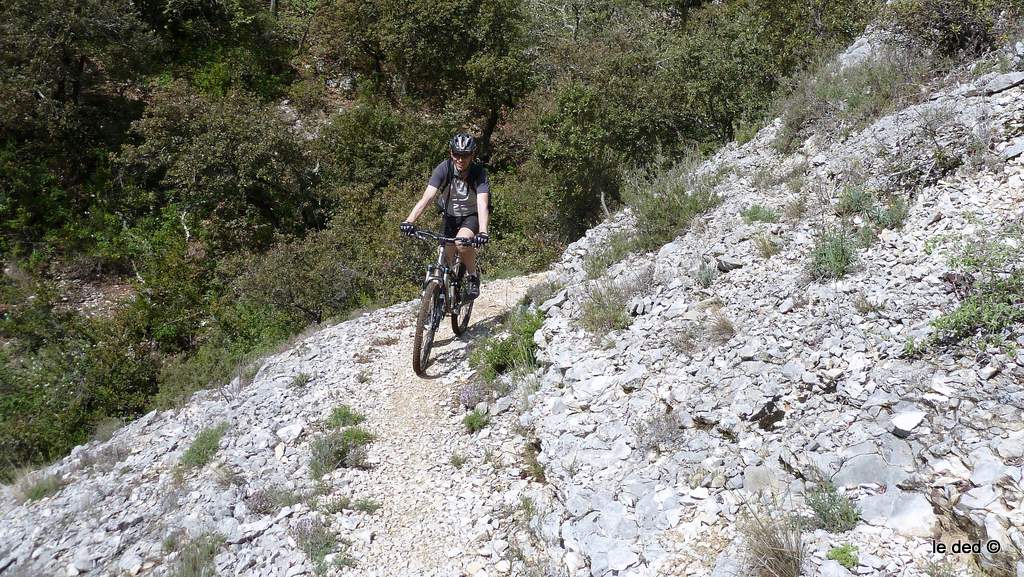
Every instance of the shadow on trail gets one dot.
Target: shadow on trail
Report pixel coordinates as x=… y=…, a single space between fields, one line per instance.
x=451 y=359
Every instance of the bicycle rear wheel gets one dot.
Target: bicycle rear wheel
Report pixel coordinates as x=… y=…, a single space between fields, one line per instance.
x=462 y=308
x=427 y=321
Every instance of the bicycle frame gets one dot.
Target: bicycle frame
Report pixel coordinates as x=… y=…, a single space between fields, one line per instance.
x=441 y=271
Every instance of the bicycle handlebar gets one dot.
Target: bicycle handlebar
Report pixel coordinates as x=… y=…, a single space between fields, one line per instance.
x=427 y=235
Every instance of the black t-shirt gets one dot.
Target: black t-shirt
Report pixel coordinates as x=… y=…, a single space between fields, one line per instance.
x=463 y=202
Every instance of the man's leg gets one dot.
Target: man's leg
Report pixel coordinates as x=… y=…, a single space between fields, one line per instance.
x=468 y=256
x=467 y=253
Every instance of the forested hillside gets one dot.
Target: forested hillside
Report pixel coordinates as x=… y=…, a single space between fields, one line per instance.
x=185 y=184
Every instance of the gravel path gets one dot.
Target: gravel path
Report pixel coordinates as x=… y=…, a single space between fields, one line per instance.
x=436 y=518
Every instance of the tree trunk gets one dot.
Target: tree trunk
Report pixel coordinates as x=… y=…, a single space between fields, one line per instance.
x=273 y=7
x=492 y=123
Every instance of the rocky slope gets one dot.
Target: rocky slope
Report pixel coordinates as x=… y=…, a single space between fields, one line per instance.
x=657 y=436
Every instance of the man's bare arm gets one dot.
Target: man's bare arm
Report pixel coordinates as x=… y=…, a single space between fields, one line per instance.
x=483 y=210
x=424 y=202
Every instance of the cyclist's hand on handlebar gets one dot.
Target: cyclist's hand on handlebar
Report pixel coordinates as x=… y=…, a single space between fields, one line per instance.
x=407 y=228
x=481 y=239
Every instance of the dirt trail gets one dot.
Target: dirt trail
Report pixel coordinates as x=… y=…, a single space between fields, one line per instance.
x=432 y=510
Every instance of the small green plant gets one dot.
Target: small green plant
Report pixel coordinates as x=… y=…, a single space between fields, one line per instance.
x=845 y=555
x=336 y=505
x=941 y=569
x=34 y=487
x=527 y=508
x=765 y=245
x=458 y=460
x=759 y=213
x=316 y=540
x=172 y=541
x=834 y=510
x=195 y=558
x=368 y=506
x=992 y=303
x=339 y=449
x=866 y=236
x=706 y=274
x=855 y=199
x=533 y=467
x=512 y=350
x=204 y=447
x=344 y=416
x=475 y=421
x=833 y=255
x=912 y=348
x=986 y=316
x=891 y=216
x=300 y=381
x=605 y=308
x=271 y=500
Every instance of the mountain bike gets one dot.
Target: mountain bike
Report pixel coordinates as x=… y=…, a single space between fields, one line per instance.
x=443 y=295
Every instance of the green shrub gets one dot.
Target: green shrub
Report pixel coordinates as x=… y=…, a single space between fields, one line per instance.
x=344 y=416
x=300 y=381
x=855 y=199
x=204 y=447
x=476 y=421
x=953 y=27
x=195 y=558
x=339 y=449
x=834 y=510
x=706 y=274
x=458 y=460
x=833 y=255
x=516 y=350
x=539 y=293
x=846 y=555
x=665 y=203
x=986 y=316
x=316 y=539
x=604 y=309
x=829 y=101
x=759 y=213
x=271 y=500
x=366 y=505
x=891 y=216
x=993 y=306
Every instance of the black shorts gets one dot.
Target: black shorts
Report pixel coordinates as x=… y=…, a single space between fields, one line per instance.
x=452 y=224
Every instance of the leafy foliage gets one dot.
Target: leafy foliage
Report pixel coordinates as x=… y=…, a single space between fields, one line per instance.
x=514 y=351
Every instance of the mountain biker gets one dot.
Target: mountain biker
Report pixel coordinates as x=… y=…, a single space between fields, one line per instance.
x=465 y=195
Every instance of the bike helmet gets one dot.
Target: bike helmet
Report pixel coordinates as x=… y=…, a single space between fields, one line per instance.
x=463 y=143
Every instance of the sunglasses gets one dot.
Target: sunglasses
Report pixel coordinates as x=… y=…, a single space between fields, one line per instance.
x=462 y=156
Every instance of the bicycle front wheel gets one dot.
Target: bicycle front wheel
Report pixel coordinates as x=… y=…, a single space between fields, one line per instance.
x=431 y=310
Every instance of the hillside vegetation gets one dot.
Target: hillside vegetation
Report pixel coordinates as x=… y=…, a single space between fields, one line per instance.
x=236 y=168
